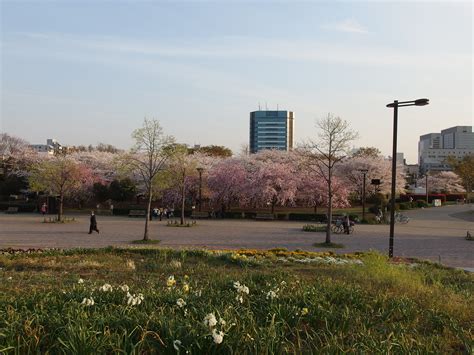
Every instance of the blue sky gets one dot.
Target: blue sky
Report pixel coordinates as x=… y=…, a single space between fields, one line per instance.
x=85 y=72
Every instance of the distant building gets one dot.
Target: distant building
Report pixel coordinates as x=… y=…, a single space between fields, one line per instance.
x=271 y=130
x=52 y=146
x=434 y=148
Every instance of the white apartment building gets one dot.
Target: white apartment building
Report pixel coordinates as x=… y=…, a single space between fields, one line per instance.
x=434 y=148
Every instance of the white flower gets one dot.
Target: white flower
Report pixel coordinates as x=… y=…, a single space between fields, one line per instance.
x=210 y=320
x=124 y=288
x=222 y=322
x=10 y=278
x=106 y=288
x=271 y=295
x=80 y=281
x=133 y=300
x=239 y=298
x=88 y=302
x=217 y=336
x=241 y=288
x=180 y=302
x=176 y=344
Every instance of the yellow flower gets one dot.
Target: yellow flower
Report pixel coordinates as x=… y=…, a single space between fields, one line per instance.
x=185 y=288
x=304 y=311
x=171 y=281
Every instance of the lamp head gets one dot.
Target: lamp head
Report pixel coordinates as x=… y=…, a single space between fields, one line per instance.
x=421 y=102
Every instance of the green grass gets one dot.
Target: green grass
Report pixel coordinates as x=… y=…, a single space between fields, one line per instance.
x=298 y=302
x=146 y=242
x=328 y=245
x=314 y=228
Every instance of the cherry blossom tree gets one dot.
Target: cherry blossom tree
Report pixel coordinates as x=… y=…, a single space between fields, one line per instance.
x=271 y=179
x=15 y=155
x=377 y=167
x=442 y=182
x=226 y=181
x=60 y=176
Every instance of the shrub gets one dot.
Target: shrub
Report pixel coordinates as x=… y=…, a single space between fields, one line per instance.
x=421 y=203
x=314 y=228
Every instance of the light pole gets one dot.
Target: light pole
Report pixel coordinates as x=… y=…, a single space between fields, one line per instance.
x=395 y=105
x=426 y=188
x=200 y=186
x=364 y=172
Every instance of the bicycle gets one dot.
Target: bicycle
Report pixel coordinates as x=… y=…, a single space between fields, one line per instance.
x=400 y=218
x=337 y=227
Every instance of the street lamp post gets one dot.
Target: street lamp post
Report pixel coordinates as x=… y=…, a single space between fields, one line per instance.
x=364 y=172
x=395 y=105
x=200 y=186
x=426 y=188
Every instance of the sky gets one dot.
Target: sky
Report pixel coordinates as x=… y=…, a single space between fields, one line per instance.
x=86 y=72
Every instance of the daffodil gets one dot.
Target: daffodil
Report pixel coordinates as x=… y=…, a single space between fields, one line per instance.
x=106 y=288
x=210 y=320
x=185 y=288
x=88 y=302
x=180 y=302
x=171 y=281
x=218 y=337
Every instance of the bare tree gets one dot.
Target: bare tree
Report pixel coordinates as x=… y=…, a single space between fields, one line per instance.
x=148 y=157
x=323 y=154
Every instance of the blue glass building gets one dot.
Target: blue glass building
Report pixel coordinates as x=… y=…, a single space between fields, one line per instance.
x=271 y=130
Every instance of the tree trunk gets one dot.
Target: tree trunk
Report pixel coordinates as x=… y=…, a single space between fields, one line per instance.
x=182 y=205
x=315 y=210
x=328 y=227
x=60 y=210
x=183 y=189
x=148 y=210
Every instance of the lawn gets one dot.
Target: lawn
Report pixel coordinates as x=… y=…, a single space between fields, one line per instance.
x=148 y=300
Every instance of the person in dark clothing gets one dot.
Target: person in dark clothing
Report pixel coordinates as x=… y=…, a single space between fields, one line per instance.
x=93 y=225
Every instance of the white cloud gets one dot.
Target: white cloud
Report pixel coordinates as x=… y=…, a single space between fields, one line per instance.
x=348 y=26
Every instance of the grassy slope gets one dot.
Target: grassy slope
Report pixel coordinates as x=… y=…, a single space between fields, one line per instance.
x=374 y=307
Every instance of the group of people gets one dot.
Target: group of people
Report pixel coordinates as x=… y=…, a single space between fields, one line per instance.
x=162 y=213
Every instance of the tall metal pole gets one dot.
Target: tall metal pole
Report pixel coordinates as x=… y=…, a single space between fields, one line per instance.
x=394 y=177
x=426 y=188
x=363 y=197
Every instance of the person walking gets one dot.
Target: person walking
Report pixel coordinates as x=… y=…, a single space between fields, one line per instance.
x=93 y=225
x=347 y=224
x=44 y=209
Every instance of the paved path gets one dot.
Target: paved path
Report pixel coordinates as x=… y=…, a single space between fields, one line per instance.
x=433 y=233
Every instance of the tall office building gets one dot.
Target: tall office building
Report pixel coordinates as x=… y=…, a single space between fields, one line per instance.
x=271 y=130
x=434 y=148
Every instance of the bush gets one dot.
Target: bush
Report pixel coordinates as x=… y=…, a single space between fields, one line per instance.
x=405 y=205
x=354 y=217
x=320 y=217
x=314 y=228
x=421 y=203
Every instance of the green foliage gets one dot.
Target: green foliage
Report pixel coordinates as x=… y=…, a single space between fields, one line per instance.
x=421 y=203
x=314 y=228
x=212 y=150
x=122 y=190
x=100 y=191
x=328 y=245
x=12 y=184
x=374 y=307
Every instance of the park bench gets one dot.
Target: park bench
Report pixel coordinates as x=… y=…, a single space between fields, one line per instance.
x=12 y=210
x=137 y=213
x=197 y=214
x=265 y=216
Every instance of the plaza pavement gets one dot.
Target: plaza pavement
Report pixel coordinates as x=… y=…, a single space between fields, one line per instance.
x=436 y=234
